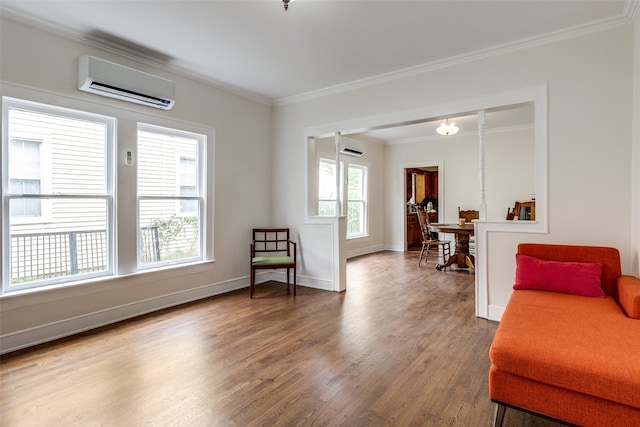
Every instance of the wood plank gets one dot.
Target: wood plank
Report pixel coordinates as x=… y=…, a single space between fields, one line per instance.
x=400 y=347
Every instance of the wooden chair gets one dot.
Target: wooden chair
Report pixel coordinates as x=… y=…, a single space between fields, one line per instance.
x=428 y=240
x=468 y=215
x=272 y=249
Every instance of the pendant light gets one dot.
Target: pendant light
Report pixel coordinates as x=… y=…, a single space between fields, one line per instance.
x=447 y=128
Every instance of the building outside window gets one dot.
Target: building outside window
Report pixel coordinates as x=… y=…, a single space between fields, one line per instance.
x=24 y=164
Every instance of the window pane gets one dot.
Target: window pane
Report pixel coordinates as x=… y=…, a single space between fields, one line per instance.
x=355 y=218
x=166 y=236
x=355 y=189
x=159 y=166
x=169 y=168
x=327 y=180
x=326 y=208
x=77 y=159
x=47 y=252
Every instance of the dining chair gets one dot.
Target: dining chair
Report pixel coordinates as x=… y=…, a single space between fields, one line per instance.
x=428 y=240
x=469 y=215
x=271 y=248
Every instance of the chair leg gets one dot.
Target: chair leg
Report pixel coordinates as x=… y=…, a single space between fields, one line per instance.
x=288 y=280
x=421 y=254
x=252 y=281
x=295 y=281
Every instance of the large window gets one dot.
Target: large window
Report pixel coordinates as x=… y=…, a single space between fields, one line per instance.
x=57 y=208
x=170 y=195
x=355 y=187
x=59 y=212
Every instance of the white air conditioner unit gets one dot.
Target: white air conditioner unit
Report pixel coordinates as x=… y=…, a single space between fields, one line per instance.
x=106 y=78
x=351 y=147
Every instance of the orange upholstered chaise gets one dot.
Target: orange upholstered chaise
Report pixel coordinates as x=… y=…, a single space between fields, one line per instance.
x=570 y=357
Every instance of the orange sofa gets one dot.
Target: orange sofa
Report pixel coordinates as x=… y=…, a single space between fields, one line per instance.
x=571 y=358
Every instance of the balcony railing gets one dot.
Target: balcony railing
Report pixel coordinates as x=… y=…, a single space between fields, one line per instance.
x=40 y=256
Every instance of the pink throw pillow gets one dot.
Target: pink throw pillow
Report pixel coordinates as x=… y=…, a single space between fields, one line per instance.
x=577 y=278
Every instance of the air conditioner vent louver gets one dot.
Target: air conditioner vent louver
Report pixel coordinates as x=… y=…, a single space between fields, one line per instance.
x=351 y=152
x=106 y=78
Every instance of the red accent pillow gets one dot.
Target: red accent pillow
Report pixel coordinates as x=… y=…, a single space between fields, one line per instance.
x=577 y=278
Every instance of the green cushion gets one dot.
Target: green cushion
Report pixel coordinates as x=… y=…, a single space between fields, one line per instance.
x=272 y=260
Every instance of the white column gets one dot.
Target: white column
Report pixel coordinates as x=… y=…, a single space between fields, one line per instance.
x=338 y=142
x=483 y=196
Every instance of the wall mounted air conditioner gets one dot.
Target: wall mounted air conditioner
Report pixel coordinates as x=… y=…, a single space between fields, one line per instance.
x=106 y=78
x=351 y=147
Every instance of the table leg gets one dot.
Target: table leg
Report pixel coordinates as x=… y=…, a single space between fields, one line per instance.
x=461 y=257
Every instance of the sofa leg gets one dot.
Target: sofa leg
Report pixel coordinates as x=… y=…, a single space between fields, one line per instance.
x=498 y=415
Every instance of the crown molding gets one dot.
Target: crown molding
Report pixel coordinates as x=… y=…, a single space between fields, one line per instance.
x=632 y=10
x=510 y=47
x=132 y=54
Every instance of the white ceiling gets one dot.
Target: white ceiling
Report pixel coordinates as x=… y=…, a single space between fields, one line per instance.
x=255 y=47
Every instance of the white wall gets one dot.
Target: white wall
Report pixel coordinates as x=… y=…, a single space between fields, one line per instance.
x=41 y=66
x=588 y=80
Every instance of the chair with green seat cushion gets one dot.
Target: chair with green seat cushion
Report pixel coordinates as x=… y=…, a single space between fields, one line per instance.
x=271 y=248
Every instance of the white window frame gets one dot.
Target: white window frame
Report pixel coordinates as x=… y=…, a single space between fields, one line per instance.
x=45 y=190
x=364 y=202
x=199 y=196
x=344 y=171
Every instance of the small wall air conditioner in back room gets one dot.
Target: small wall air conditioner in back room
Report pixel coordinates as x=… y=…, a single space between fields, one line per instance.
x=351 y=147
x=106 y=78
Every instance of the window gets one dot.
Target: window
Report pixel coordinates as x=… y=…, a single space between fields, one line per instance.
x=356 y=190
x=74 y=182
x=24 y=166
x=327 y=195
x=170 y=195
x=356 y=200
x=188 y=174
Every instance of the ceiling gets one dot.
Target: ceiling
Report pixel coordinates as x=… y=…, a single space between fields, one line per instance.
x=257 y=49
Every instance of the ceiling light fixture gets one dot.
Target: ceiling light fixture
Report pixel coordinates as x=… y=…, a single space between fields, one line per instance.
x=447 y=128
x=286 y=4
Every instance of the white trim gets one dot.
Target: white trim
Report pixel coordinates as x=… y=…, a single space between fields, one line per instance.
x=496 y=312
x=537 y=95
x=365 y=251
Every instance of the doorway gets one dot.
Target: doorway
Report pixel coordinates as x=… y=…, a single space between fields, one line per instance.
x=421 y=193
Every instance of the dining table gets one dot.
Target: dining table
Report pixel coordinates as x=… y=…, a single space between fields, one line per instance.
x=461 y=257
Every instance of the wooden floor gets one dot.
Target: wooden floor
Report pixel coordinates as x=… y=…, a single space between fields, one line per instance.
x=400 y=348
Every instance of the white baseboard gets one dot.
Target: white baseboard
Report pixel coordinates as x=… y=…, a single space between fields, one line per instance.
x=73 y=325
x=365 y=251
x=77 y=324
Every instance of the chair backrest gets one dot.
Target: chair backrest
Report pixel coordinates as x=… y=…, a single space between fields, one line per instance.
x=271 y=240
x=423 y=220
x=468 y=215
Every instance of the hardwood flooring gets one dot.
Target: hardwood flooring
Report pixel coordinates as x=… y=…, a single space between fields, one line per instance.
x=400 y=348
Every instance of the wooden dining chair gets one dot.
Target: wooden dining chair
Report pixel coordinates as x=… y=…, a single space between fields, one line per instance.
x=271 y=248
x=469 y=215
x=428 y=240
